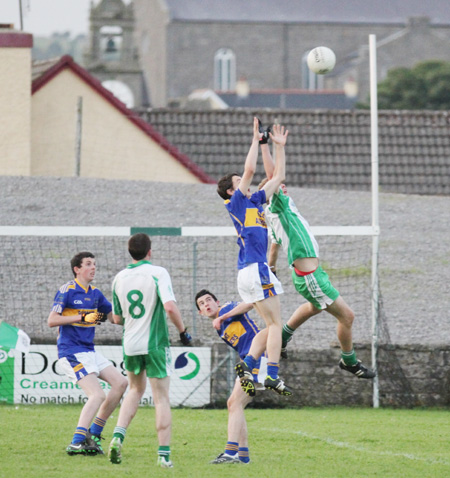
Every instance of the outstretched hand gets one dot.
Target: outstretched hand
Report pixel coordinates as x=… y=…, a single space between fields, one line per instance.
x=279 y=134
x=256 y=134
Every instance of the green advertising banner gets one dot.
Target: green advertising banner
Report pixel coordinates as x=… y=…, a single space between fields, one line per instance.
x=6 y=375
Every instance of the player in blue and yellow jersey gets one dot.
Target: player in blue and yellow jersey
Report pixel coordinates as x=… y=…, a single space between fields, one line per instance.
x=77 y=308
x=240 y=332
x=257 y=285
x=290 y=230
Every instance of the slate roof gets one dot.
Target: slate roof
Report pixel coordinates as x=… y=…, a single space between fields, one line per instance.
x=326 y=148
x=309 y=11
x=43 y=72
x=39 y=67
x=289 y=99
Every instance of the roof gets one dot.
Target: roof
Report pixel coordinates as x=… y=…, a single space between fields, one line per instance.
x=326 y=148
x=42 y=75
x=289 y=99
x=10 y=38
x=309 y=11
x=39 y=67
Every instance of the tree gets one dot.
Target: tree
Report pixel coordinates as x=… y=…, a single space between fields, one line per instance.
x=426 y=86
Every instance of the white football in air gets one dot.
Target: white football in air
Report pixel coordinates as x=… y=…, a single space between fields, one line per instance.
x=321 y=60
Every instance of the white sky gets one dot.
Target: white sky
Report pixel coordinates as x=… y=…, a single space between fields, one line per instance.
x=44 y=17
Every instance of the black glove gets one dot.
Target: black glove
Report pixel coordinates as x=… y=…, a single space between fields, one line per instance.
x=185 y=337
x=265 y=133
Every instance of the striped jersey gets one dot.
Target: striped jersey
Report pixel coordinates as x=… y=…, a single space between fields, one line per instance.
x=237 y=331
x=71 y=299
x=289 y=229
x=139 y=294
x=248 y=218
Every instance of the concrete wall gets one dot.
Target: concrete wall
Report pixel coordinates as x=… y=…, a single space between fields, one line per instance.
x=15 y=102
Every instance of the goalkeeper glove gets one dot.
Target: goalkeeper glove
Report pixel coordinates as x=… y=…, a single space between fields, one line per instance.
x=265 y=133
x=93 y=317
x=185 y=337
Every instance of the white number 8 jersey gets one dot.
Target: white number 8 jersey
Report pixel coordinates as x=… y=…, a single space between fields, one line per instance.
x=139 y=294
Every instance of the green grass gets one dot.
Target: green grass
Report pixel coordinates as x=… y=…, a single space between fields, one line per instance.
x=309 y=442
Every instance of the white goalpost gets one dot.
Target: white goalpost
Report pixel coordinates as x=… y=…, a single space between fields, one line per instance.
x=375 y=209
x=197 y=258
x=35 y=262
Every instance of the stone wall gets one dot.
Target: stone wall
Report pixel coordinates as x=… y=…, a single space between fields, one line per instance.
x=409 y=375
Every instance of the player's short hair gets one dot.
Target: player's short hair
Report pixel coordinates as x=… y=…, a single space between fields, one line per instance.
x=225 y=183
x=138 y=246
x=201 y=294
x=77 y=260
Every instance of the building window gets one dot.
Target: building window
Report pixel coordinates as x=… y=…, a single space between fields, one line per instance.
x=111 y=42
x=310 y=81
x=224 y=70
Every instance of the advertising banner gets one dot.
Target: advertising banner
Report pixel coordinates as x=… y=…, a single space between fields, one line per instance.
x=36 y=377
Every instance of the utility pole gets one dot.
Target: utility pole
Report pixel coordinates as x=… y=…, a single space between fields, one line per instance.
x=21 y=15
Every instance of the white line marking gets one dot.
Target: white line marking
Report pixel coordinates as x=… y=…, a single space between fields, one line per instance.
x=342 y=444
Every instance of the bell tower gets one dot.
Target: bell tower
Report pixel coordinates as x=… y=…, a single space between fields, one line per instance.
x=112 y=57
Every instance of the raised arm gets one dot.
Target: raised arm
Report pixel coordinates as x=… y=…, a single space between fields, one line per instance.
x=241 y=308
x=250 y=161
x=268 y=162
x=279 y=138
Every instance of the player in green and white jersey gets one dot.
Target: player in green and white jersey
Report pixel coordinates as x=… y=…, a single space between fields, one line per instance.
x=142 y=296
x=290 y=230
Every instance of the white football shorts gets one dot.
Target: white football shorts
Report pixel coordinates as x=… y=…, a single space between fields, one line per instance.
x=257 y=282
x=79 y=365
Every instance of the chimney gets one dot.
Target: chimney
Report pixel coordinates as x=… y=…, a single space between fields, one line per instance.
x=15 y=101
x=242 y=88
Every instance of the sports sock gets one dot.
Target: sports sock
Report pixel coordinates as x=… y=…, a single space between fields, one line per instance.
x=272 y=369
x=97 y=426
x=164 y=451
x=250 y=361
x=286 y=333
x=79 y=435
x=120 y=432
x=232 y=448
x=244 y=455
x=349 y=358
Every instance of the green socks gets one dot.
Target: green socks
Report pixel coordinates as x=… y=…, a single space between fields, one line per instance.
x=286 y=334
x=349 y=358
x=119 y=432
x=164 y=451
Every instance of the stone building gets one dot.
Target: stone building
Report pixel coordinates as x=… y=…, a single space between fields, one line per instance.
x=205 y=44
x=111 y=56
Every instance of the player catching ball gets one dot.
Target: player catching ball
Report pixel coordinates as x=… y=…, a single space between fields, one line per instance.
x=257 y=285
x=290 y=230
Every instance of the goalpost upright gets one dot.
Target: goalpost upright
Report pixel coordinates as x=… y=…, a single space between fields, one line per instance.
x=375 y=208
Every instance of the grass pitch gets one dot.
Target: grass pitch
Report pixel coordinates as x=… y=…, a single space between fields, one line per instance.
x=309 y=442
